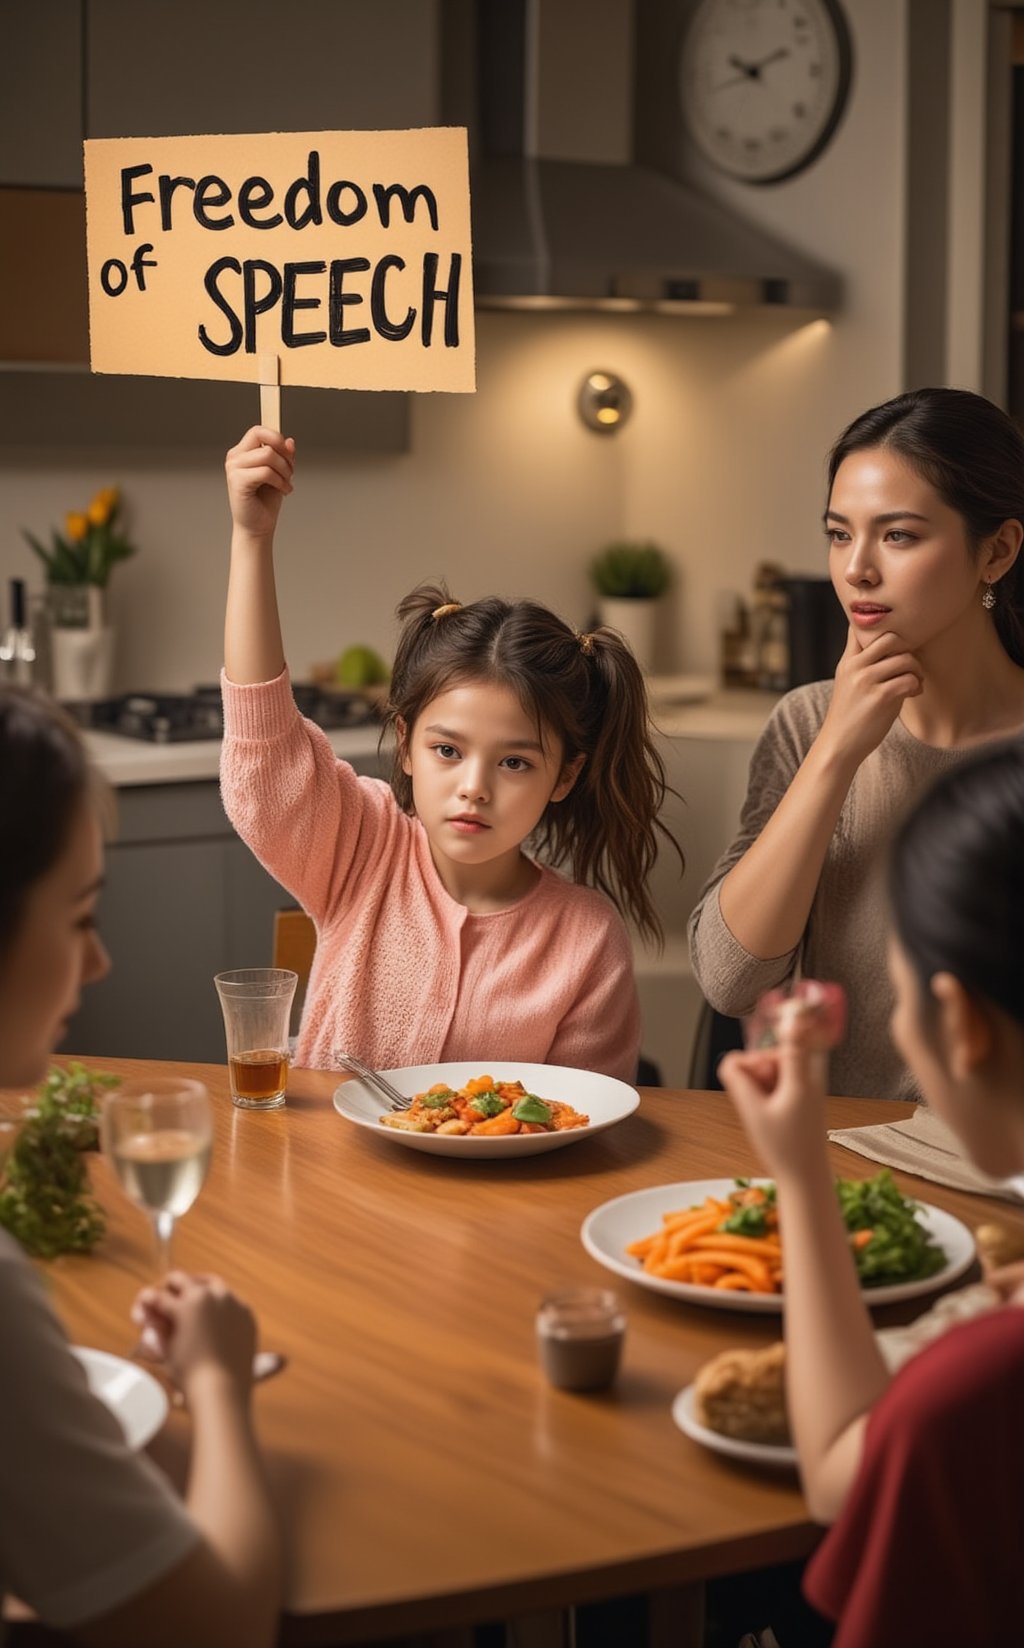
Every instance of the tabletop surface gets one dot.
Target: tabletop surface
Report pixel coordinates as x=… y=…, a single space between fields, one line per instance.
x=426 y=1473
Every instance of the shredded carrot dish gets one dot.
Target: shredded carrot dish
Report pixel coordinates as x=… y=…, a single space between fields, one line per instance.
x=695 y=1244
x=484 y=1108
x=736 y=1243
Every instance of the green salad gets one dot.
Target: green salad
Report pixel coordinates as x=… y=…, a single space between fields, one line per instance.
x=888 y=1242
x=897 y=1247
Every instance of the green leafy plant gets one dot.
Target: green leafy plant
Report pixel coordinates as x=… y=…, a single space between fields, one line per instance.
x=630 y=571
x=45 y=1201
x=90 y=545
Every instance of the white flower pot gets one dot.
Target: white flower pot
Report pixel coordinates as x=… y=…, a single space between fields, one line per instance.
x=83 y=663
x=634 y=619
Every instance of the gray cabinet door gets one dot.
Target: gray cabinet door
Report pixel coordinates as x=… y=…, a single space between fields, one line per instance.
x=184 y=899
x=255 y=66
x=41 y=95
x=162 y=919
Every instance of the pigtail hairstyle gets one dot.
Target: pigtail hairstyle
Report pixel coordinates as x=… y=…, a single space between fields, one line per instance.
x=956 y=879
x=607 y=827
x=973 y=455
x=586 y=690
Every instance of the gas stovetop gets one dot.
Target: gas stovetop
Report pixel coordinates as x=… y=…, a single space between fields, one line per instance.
x=176 y=718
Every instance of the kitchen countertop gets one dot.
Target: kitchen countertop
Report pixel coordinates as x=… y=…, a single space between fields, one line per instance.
x=128 y=761
x=727 y=712
x=723 y=714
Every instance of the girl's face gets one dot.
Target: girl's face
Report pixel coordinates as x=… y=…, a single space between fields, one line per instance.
x=973 y=1104
x=899 y=556
x=56 y=951
x=481 y=774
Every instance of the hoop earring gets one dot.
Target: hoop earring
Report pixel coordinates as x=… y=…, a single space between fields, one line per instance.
x=988 y=600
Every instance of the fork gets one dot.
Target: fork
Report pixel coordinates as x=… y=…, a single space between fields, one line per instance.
x=396 y=1100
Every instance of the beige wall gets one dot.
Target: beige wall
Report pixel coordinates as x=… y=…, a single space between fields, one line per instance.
x=722 y=462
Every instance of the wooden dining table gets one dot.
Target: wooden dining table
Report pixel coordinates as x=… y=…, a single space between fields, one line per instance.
x=426 y=1474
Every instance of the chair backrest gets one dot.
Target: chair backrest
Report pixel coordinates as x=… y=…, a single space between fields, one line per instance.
x=295 y=947
x=715 y=1035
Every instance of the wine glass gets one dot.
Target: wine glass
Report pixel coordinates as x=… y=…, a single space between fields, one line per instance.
x=157 y=1136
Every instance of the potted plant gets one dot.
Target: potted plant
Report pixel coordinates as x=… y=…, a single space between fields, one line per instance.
x=630 y=576
x=77 y=567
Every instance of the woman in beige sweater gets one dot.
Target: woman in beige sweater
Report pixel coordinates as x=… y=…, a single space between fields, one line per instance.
x=924 y=522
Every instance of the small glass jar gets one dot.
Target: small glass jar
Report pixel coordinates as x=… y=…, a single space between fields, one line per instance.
x=580 y=1332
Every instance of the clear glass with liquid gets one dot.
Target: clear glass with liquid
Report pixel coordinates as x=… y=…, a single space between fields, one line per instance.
x=157 y=1136
x=580 y=1334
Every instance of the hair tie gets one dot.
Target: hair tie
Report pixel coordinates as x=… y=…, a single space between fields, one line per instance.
x=449 y=606
x=586 y=643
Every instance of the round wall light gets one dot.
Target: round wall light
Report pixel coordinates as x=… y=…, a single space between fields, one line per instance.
x=604 y=402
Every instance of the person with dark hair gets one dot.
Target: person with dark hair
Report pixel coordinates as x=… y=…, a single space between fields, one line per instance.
x=921 y=1472
x=92 y=1537
x=438 y=936
x=924 y=521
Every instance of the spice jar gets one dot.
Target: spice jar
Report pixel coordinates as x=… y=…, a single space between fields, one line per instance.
x=579 y=1338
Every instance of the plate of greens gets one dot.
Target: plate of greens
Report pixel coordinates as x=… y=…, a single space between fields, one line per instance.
x=901 y=1248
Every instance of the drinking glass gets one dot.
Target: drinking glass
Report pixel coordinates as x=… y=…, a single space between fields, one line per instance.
x=257 y=1003
x=580 y=1333
x=157 y=1136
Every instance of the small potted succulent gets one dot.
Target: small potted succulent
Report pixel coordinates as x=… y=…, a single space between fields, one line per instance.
x=630 y=576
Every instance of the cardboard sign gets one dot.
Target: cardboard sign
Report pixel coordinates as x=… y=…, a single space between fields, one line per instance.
x=345 y=255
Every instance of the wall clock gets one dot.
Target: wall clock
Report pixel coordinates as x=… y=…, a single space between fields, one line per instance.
x=763 y=83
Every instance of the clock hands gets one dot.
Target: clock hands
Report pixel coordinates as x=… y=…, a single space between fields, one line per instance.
x=750 y=71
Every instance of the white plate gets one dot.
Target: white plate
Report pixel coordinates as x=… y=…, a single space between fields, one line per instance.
x=777 y=1455
x=608 y=1230
x=602 y=1098
x=133 y=1396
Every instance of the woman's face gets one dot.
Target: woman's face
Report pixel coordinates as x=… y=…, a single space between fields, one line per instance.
x=899 y=556
x=56 y=950
x=972 y=1106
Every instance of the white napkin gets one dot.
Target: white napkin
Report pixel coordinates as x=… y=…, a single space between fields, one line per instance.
x=924 y=1145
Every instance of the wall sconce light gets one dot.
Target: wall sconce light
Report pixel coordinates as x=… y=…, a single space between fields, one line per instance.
x=604 y=402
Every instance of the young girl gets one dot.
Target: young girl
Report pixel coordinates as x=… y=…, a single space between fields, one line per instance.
x=437 y=936
x=920 y=1474
x=91 y=1535
x=924 y=524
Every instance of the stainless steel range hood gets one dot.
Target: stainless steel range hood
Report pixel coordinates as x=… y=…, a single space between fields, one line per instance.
x=552 y=232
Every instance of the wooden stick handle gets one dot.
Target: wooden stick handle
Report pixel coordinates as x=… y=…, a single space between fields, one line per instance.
x=269 y=367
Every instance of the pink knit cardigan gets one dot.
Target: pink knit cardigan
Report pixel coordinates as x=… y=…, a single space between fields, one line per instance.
x=403 y=974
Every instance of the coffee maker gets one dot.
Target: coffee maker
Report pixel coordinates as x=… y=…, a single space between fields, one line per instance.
x=818 y=628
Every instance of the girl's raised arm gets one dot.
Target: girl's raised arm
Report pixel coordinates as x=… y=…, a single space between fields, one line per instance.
x=259 y=476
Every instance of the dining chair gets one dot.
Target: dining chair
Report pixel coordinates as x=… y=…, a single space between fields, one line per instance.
x=715 y=1035
x=294 y=947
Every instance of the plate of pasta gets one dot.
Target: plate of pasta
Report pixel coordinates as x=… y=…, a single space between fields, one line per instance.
x=717 y=1242
x=490 y=1108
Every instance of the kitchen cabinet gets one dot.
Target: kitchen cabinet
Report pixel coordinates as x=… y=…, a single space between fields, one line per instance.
x=41 y=96
x=184 y=899
x=114 y=69
x=255 y=66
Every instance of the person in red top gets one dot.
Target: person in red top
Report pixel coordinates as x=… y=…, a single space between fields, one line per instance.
x=920 y=1474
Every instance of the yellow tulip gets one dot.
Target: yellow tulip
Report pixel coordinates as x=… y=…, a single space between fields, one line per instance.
x=77 y=525
x=98 y=511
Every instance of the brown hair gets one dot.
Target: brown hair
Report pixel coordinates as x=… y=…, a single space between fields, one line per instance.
x=46 y=779
x=587 y=690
